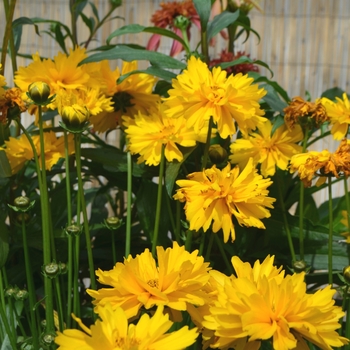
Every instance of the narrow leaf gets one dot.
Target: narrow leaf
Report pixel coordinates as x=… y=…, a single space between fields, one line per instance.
x=5 y=168
x=220 y=22
x=203 y=8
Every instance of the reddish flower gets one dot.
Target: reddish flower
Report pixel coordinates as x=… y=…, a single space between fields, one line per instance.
x=165 y=18
x=243 y=68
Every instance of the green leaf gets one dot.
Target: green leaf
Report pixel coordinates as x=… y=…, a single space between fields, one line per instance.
x=5 y=168
x=95 y=11
x=273 y=99
x=90 y=22
x=333 y=93
x=158 y=72
x=17 y=28
x=220 y=22
x=245 y=59
x=203 y=8
x=60 y=38
x=129 y=54
x=136 y=28
x=4 y=241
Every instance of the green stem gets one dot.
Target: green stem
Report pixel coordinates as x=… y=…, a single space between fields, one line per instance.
x=232 y=37
x=73 y=22
x=83 y=207
x=219 y=242
x=128 y=204
x=59 y=304
x=188 y=242
x=330 y=234
x=31 y=288
x=8 y=37
x=70 y=238
x=285 y=220
x=187 y=43
x=207 y=144
x=171 y=217
x=204 y=44
x=159 y=202
x=201 y=245
x=301 y=203
x=210 y=245
x=76 y=252
x=114 y=254
x=11 y=335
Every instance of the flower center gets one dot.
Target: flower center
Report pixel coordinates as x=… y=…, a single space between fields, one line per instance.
x=122 y=101
x=153 y=283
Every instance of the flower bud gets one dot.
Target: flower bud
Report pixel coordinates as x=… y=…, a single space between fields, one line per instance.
x=51 y=270
x=22 y=294
x=11 y=291
x=217 y=154
x=63 y=268
x=39 y=92
x=346 y=273
x=47 y=340
x=113 y=222
x=299 y=266
x=181 y=22
x=22 y=204
x=75 y=117
x=73 y=230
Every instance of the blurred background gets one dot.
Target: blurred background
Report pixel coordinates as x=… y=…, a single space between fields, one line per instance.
x=305 y=42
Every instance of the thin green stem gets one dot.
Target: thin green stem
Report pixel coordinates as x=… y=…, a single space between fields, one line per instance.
x=301 y=203
x=285 y=220
x=128 y=204
x=31 y=288
x=59 y=304
x=347 y=202
x=207 y=144
x=187 y=43
x=220 y=243
x=204 y=44
x=171 y=216
x=159 y=202
x=114 y=253
x=201 y=245
x=209 y=247
x=178 y=222
x=8 y=37
x=188 y=242
x=84 y=210
x=11 y=335
x=73 y=22
x=330 y=233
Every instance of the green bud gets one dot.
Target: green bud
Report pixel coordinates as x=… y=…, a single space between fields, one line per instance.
x=300 y=266
x=47 y=340
x=73 y=230
x=22 y=294
x=113 y=223
x=51 y=270
x=11 y=291
x=182 y=22
x=22 y=204
x=39 y=92
x=75 y=117
x=217 y=154
x=63 y=268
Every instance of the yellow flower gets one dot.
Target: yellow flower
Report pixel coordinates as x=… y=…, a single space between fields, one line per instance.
x=18 y=151
x=62 y=72
x=339 y=114
x=322 y=164
x=113 y=332
x=345 y=222
x=268 y=150
x=147 y=134
x=215 y=195
x=199 y=93
x=175 y=282
x=263 y=304
x=132 y=95
x=304 y=113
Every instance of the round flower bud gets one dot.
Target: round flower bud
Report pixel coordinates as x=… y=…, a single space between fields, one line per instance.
x=47 y=340
x=39 y=92
x=73 y=230
x=22 y=202
x=346 y=273
x=113 y=222
x=299 y=266
x=75 y=117
x=22 y=294
x=181 y=22
x=63 y=267
x=11 y=291
x=217 y=154
x=51 y=270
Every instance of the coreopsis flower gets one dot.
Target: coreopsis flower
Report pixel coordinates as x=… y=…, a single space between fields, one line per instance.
x=226 y=56
x=19 y=150
x=138 y=282
x=322 y=164
x=63 y=72
x=166 y=18
x=345 y=222
x=339 y=114
x=305 y=113
x=112 y=331
x=147 y=134
x=215 y=195
x=261 y=303
x=199 y=94
x=39 y=92
x=11 y=102
x=132 y=95
x=266 y=149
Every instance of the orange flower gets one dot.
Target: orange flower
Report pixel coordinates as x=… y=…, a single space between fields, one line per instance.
x=10 y=99
x=303 y=112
